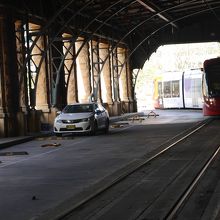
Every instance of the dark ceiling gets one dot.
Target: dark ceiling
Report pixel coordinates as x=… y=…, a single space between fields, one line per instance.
x=141 y=24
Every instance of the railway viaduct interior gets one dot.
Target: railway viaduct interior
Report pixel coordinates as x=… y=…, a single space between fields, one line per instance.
x=58 y=52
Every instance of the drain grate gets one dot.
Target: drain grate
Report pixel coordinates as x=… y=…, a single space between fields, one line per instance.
x=13 y=153
x=53 y=138
x=136 y=118
x=119 y=125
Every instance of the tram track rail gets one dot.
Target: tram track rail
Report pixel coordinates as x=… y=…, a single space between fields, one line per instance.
x=65 y=211
x=173 y=212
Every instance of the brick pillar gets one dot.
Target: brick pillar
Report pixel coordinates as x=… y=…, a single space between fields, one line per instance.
x=83 y=71
x=42 y=93
x=22 y=114
x=8 y=77
x=106 y=82
x=70 y=68
x=39 y=115
x=123 y=81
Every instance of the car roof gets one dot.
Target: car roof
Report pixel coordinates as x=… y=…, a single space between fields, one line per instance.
x=84 y=103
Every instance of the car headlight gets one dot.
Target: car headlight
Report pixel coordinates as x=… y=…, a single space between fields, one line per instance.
x=59 y=121
x=84 y=119
x=91 y=118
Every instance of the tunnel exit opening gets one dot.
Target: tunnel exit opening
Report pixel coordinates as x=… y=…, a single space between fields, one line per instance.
x=171 y=60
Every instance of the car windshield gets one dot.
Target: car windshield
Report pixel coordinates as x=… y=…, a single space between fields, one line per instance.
x=78 y=108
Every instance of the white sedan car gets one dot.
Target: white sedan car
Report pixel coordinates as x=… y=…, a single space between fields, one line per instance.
x=85 y=117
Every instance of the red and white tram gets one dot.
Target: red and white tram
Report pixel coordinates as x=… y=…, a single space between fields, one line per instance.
x=211 y=87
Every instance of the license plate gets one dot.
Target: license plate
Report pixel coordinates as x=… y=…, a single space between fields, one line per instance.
x=70 y=127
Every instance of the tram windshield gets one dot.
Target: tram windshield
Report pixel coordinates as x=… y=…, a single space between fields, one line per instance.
x=213 y=79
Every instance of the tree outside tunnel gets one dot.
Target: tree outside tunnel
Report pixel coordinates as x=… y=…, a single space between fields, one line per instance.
x=178 y=57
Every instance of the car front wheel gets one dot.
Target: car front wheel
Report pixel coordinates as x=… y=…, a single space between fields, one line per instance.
x=106 y=130
x=94 y=128
x=58 y=134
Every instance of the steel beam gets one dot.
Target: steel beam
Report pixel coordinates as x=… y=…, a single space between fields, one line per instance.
x=141 y=23
x=164 y=26
x=155 y=9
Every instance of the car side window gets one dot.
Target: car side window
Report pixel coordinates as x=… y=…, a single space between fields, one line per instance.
x=96 y=107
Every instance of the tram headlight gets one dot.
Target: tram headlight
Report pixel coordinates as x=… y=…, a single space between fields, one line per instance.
x=211 y=101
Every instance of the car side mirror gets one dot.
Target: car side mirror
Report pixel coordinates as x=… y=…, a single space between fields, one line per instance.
x=97 y=111
x=59 y=112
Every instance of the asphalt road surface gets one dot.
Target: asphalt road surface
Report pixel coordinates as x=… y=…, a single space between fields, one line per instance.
x=38 y=175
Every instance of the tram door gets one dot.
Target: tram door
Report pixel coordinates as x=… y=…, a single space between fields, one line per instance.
x=160 y=94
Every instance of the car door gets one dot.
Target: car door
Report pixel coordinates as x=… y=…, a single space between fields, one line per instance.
x=103 y=117
x=98 y=116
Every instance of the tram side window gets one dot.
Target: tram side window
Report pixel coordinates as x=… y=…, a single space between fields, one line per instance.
x=175 y=88
x=167 y=89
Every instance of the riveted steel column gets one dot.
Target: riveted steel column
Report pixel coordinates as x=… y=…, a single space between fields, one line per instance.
x=70 y=68
x=129 y=84
x=22 y=79
x=106 y=82
x=8 y=77
x=83 y=71
x=22 y=74
x=123 y=86
x=59 y=89
x=115 y=83
x=95 y=64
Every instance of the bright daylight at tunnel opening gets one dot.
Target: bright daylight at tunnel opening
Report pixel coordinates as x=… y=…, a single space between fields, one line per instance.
x=109 y=109
x=172 y=77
